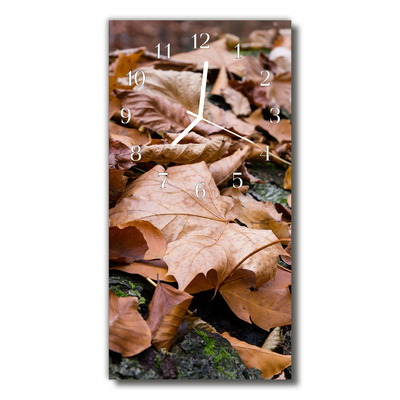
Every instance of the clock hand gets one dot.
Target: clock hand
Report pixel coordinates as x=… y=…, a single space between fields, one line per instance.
x=233 y=133
x=201 y=106
x=212 y=123
x=203 y=89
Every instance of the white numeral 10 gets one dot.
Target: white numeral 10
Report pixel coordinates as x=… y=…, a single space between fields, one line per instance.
x=136 y=78
x=201 y=188
x=168 y=47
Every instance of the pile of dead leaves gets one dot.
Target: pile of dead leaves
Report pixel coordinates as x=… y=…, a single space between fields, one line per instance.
x=226 y=240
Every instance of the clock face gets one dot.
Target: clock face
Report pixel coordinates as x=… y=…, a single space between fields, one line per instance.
x=200 y=196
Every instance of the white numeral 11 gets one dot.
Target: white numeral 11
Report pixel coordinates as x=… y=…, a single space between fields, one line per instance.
x=168 y=47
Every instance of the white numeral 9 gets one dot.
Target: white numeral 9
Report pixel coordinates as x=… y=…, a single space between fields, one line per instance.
x=275 y=115
x=128 y=116
x=268 y=74
x=197 y=190
x=240 y=179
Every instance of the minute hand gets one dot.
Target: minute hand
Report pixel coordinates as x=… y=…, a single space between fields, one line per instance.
x=212 y=123
x=233 y=133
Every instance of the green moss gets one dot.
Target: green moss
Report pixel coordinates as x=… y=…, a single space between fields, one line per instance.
x=224 y=355
x=158 y=361
x=120 y=293
x=209 y=350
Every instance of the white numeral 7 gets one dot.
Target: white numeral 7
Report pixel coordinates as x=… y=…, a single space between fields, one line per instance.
x=165 y=179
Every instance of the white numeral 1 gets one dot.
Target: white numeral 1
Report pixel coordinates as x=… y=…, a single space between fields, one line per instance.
x=238 y=50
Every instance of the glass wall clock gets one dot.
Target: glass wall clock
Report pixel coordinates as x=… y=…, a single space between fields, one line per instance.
x=200 y=118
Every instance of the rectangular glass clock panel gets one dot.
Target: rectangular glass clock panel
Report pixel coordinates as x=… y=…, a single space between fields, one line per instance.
x=200 y=118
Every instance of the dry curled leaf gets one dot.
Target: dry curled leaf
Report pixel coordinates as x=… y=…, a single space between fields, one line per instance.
x=287 y=182
x=166 y=311
x=129 y=333
x=268 y=306
x=201 y=235
x=119 y=155
x=185 y=153
x=116 y=184
x=160 y=114
x=259 y=215
x=222 y=170
x=268 y=362
x=126 y=244
x=154 y=269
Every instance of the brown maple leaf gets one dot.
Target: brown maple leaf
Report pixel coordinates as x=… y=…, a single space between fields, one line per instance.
x=201 y=234
x=268 y=306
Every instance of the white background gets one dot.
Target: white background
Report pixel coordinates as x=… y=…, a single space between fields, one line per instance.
x=54 y=199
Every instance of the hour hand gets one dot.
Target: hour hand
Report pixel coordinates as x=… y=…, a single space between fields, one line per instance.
x=198 y=119
x=201 y=106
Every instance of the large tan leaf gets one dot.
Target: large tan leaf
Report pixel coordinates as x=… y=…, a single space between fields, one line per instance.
x=268 y=362
x=166 y=311
x=159 y=113
x=181 y=87
x=259 y=215
x=268 y=306
x=185 y=153
x=129 y=333
x=217 y=55
x=201 y=235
